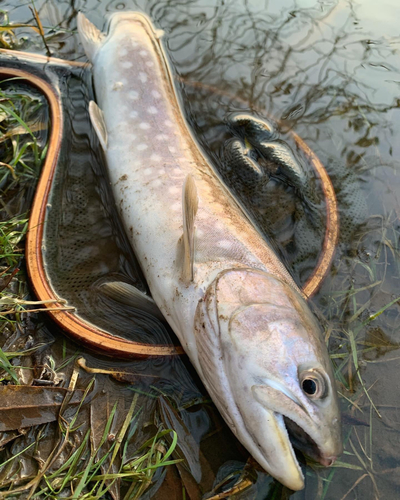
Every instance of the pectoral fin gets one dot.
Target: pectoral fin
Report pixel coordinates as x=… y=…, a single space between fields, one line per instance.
x=91 y=37
x=97 y=119
x=189 y=209
x=131 y=296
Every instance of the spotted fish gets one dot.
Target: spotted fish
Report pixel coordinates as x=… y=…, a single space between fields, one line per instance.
x=234 y=307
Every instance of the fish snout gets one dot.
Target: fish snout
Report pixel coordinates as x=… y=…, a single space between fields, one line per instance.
x=327 y=461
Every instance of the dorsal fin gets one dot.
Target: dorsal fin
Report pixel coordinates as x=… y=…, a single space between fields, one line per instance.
x=129 y=295
x=189 y=210
x=91 y=37
x=97 y=119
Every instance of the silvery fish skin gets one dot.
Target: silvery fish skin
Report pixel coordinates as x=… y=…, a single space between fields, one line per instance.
x=240 y=317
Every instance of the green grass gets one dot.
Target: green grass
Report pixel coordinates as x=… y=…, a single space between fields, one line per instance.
x=23 y=136
x=23 y=145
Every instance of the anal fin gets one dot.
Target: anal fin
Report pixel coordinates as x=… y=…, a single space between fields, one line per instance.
x=129 y=295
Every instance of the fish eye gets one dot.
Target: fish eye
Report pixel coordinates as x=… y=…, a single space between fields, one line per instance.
x=313 y=384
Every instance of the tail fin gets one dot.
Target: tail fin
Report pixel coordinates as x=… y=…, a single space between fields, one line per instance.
x=91 y=37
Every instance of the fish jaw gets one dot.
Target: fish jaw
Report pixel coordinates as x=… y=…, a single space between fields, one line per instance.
x=255 y=340
x=276 y=454
x=303 y=420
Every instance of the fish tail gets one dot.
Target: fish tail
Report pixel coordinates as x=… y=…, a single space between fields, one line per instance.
x=91 y=37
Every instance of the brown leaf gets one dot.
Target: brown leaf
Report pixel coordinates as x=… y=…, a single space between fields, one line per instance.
x=6 y=280
x=192 y=487
x=171 y=487
x=24 y=406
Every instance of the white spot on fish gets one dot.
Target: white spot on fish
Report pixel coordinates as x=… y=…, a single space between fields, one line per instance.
x=118 y=86
x=147 y=171
x=133 y=114
x=177 y=171
x=132 y=94
x=149 y=64
x=152 y=110
x=134 y=43
x=168 y=123
x=144 y=126
x=174 y=190
x=176 y=206
x=156 y=94
x=199 y=232
x=126 y=64
x=157 y=183
x=155 y=157
x=123 y=52
x=141 y=147
x=172 y=149
x=224 y=244
x=143 y=53
x=161 y=137
x=161 y=171
x=143 y=77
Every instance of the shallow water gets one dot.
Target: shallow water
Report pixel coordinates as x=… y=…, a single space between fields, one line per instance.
x=329 y=71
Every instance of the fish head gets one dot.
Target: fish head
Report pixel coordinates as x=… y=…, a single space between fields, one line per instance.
x=278 y=388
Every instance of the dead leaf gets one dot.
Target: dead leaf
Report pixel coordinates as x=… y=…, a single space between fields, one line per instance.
x=24 y=406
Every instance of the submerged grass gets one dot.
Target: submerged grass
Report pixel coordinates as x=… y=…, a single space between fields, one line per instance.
x=363 y=324
x=8 y=37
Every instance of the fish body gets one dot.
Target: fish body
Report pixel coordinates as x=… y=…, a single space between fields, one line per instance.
x=233 y=305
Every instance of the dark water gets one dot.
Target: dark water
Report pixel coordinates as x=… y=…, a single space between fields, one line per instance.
x=329 y=71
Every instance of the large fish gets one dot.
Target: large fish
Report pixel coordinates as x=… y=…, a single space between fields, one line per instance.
x=234 y=307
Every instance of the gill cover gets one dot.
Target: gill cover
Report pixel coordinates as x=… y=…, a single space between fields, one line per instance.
x=258 y=346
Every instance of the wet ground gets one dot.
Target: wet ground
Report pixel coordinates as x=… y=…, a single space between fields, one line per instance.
x=330 y=72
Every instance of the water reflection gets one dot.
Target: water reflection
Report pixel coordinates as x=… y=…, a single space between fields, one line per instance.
x=329 y=70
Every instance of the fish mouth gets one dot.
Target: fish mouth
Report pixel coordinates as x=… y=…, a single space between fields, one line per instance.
x=294 y=478
x=304 y=443
x=285 y=408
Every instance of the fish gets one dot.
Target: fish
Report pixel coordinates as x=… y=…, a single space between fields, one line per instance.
x=237 y=312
